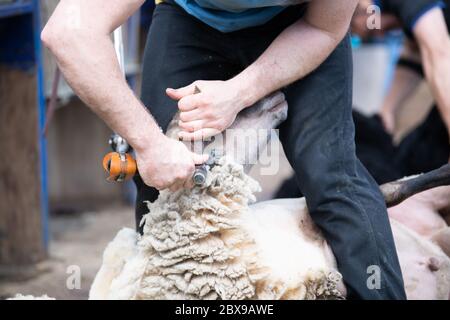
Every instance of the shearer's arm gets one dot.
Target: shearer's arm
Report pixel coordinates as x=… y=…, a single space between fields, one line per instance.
x=299 y=49
x=433 y=40
x=78 y=34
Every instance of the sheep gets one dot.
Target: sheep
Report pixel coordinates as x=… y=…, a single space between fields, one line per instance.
x=212 y=243
x=201 y=245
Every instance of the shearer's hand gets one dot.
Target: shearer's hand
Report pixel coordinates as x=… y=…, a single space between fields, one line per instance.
x=207 y=108
x=168 y=163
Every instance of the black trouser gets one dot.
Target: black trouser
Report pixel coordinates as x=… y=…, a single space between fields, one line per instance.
x=318 y=136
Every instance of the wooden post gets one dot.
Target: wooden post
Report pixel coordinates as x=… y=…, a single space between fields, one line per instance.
x=21 y=232
x=23 y=187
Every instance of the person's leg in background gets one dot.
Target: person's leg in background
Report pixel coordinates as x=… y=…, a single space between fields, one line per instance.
x=179 y=51
x=344 y=200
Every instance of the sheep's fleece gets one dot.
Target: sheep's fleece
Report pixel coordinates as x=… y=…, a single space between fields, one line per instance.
x=196 y=245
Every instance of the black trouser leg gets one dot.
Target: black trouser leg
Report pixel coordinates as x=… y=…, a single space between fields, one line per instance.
x=343 y=199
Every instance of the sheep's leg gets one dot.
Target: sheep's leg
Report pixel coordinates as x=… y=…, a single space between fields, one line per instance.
x=396 y=192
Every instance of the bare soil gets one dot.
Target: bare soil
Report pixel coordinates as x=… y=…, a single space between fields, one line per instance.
x=76 y=240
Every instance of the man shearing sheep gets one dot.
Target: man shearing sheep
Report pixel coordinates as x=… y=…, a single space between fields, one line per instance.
x=235 y=52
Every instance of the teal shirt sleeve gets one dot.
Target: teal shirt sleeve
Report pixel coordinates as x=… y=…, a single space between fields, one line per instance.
x=226 y=21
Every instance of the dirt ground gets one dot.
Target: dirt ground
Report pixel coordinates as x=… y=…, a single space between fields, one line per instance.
x=76 y=240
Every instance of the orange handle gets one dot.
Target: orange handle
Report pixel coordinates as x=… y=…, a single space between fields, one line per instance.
x=120 y=167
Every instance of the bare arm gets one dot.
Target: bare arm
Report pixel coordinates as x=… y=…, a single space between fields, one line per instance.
x=299 y=49
x=78 y=34
x=296 y=52
x=86 y=56
x=434 y=42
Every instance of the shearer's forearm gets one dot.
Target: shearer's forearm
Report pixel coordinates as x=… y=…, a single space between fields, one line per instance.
x=298 y=50
x=86 y=56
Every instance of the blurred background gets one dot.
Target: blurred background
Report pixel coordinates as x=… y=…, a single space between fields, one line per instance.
x=56 y=207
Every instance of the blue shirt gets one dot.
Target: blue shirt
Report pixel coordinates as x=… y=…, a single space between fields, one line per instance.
x=232 y=15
